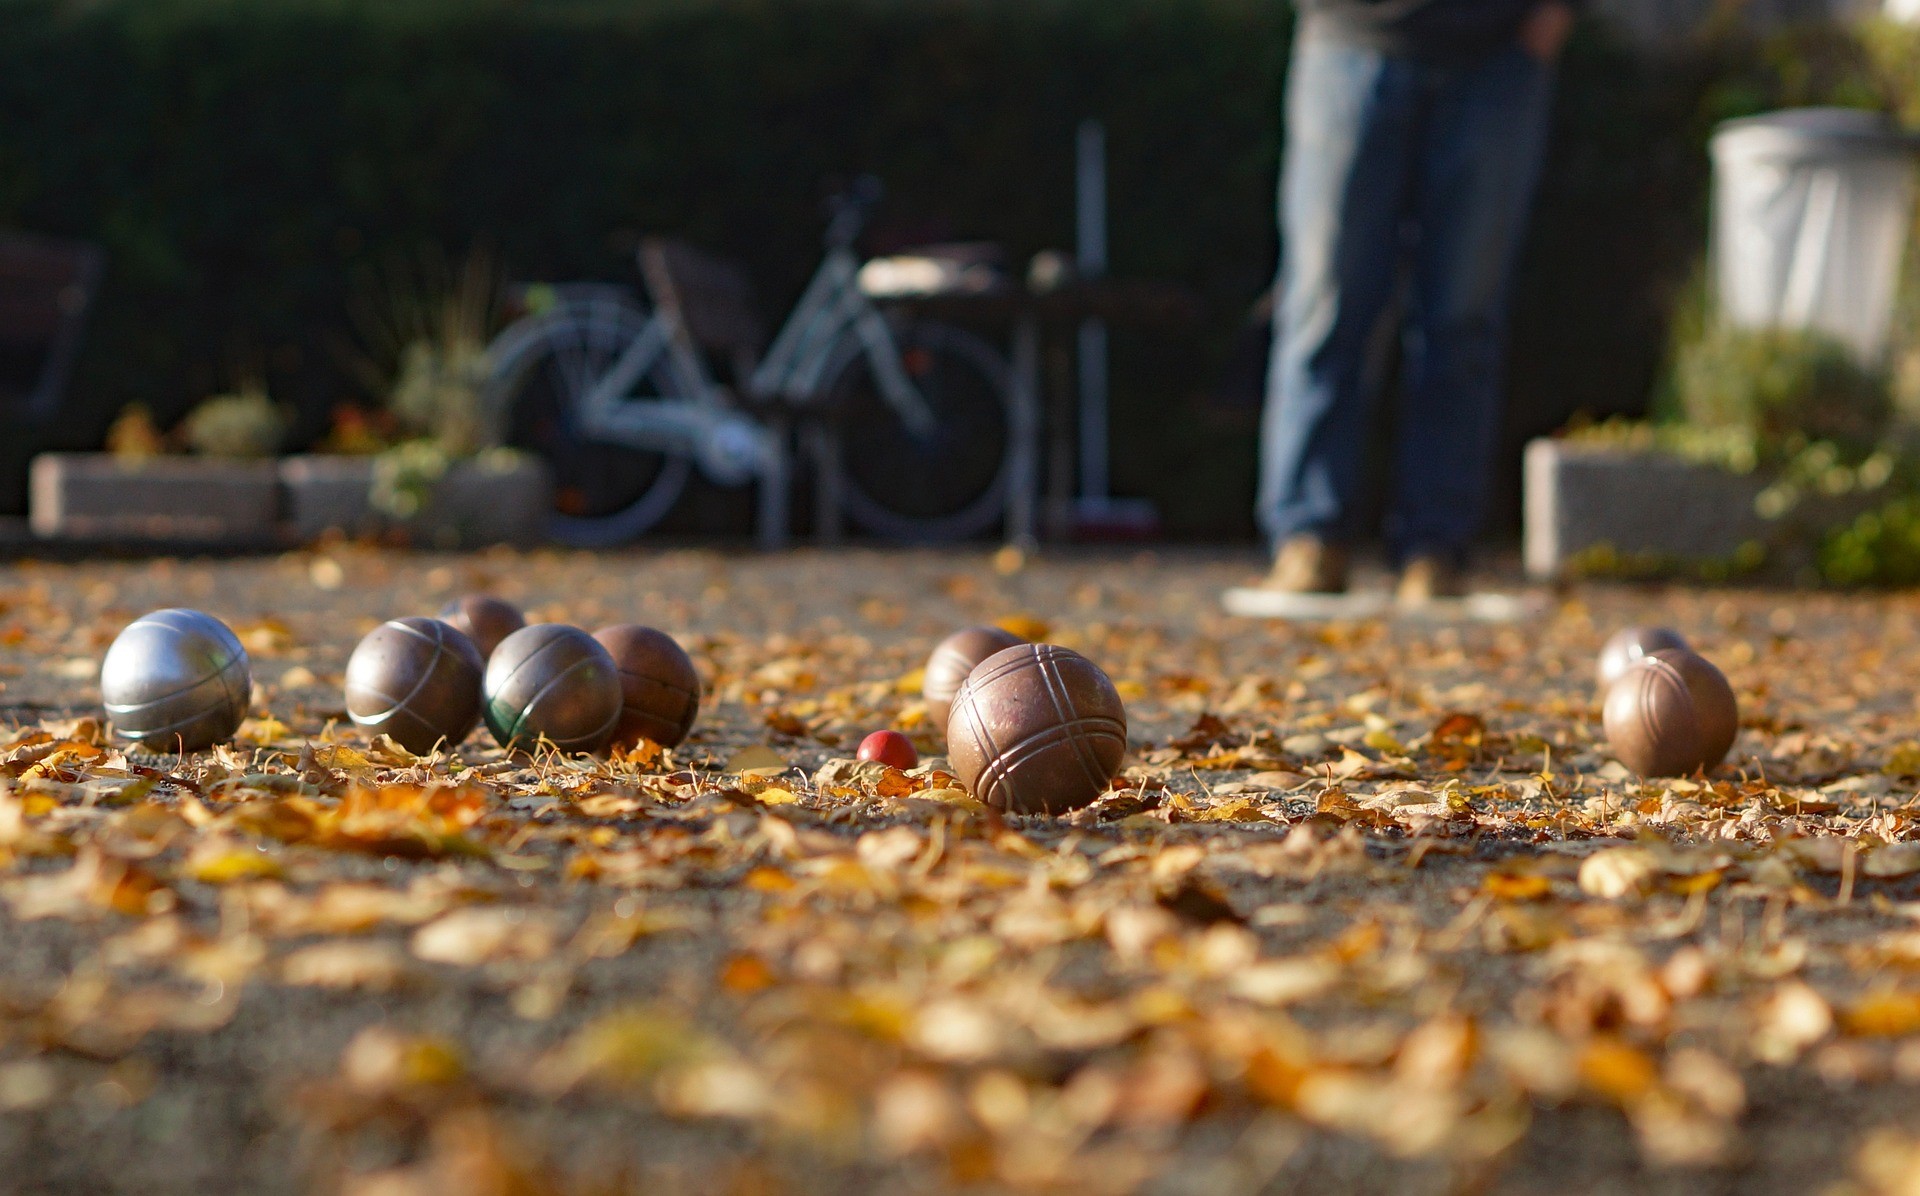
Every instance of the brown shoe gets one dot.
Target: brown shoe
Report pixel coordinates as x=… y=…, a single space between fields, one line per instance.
x=1427 y=577
x=1308 y=565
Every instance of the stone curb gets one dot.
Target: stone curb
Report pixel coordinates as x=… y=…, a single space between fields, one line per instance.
x=81 y=499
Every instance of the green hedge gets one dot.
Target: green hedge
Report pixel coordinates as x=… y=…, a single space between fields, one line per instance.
x=253 y=166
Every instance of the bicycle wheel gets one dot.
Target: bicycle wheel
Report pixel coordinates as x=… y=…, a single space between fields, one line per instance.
x=949 y=483
x=604 y=494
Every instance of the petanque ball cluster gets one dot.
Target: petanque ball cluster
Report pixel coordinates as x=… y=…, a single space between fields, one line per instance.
x=1029 y=728
x=1666 y=709
x=179 y=680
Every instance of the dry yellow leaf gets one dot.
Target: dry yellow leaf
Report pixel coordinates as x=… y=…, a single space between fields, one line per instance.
x=1026 y=627
x=1284 y=981
x=1904 y=761
x=757 y=759
x=1883 y=1015
x=1789 y=1020
x=1892 y=860
x=380 y=1061
x=1525 y=886
x=347 y=964
x=1617 y=1071
x=473 y=936
x=1616 y=872
x=1384 y=741
x=263 y=731
x=768 y=880
x=225 y=865
x=622 y=1050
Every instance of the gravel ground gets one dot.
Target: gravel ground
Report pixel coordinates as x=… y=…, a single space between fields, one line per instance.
x=282 y=1087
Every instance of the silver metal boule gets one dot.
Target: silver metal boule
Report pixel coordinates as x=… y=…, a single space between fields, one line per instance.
x=554 y=682
x=417 y=680
x=176 y=680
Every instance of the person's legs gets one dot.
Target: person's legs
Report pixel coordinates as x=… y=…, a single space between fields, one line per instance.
x=1480 y=164
x=1352 y=124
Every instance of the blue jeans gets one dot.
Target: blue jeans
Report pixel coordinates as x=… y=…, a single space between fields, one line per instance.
x=1397 y=172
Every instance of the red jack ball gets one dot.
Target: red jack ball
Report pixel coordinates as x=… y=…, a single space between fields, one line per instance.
x=890 y=748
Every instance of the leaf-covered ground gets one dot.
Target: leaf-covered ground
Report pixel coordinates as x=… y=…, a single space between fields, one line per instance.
x=1371 y=910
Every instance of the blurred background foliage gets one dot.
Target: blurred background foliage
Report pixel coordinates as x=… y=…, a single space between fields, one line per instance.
x=255 y=167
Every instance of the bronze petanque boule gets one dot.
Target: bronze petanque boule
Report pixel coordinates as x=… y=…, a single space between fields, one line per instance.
x=1630 y=644
x=1650 y=719
x=417 y=680
x=1671 y=713
x=951 y=661
x=176 y=680
x=484 y=619
x=1713 y=703
x=660 y=690
x=552 y=682
x=1037 y=729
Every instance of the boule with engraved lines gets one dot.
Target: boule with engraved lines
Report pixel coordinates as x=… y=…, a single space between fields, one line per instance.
x=484 y=619
x=417 y=680
x=952 y=660
x=176 y=680
x=1713 y=703
x=659 y=688
x=1630 y=644
x=1037 y=729
x=1652 y=722
x=553 y=682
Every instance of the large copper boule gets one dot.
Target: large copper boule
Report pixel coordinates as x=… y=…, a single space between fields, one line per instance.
x=1652 y=723
x=484 y=619
x=660 y=691
x=1630 y=644
x=1037 y=729
x=552 y=682
x=176 y=680
x=417 y=680
x=950 y=662
x=1713 y=703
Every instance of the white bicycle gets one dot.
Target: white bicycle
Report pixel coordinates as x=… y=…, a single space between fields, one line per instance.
x=910 y=425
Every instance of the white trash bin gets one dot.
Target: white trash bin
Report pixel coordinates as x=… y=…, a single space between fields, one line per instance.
x=1811 y=211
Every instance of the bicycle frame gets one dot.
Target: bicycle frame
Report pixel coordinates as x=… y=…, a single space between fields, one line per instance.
x=692 y=417
x=794 y=371
x=831 y=309
x=695 y=416
x=634 y=377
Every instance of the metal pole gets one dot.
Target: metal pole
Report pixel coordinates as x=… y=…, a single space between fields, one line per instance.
x=1090 y=178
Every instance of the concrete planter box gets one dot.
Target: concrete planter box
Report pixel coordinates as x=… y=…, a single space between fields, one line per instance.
x=1664 y=514
x=479 y=502
x=99 y=497
x=1639 y=504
